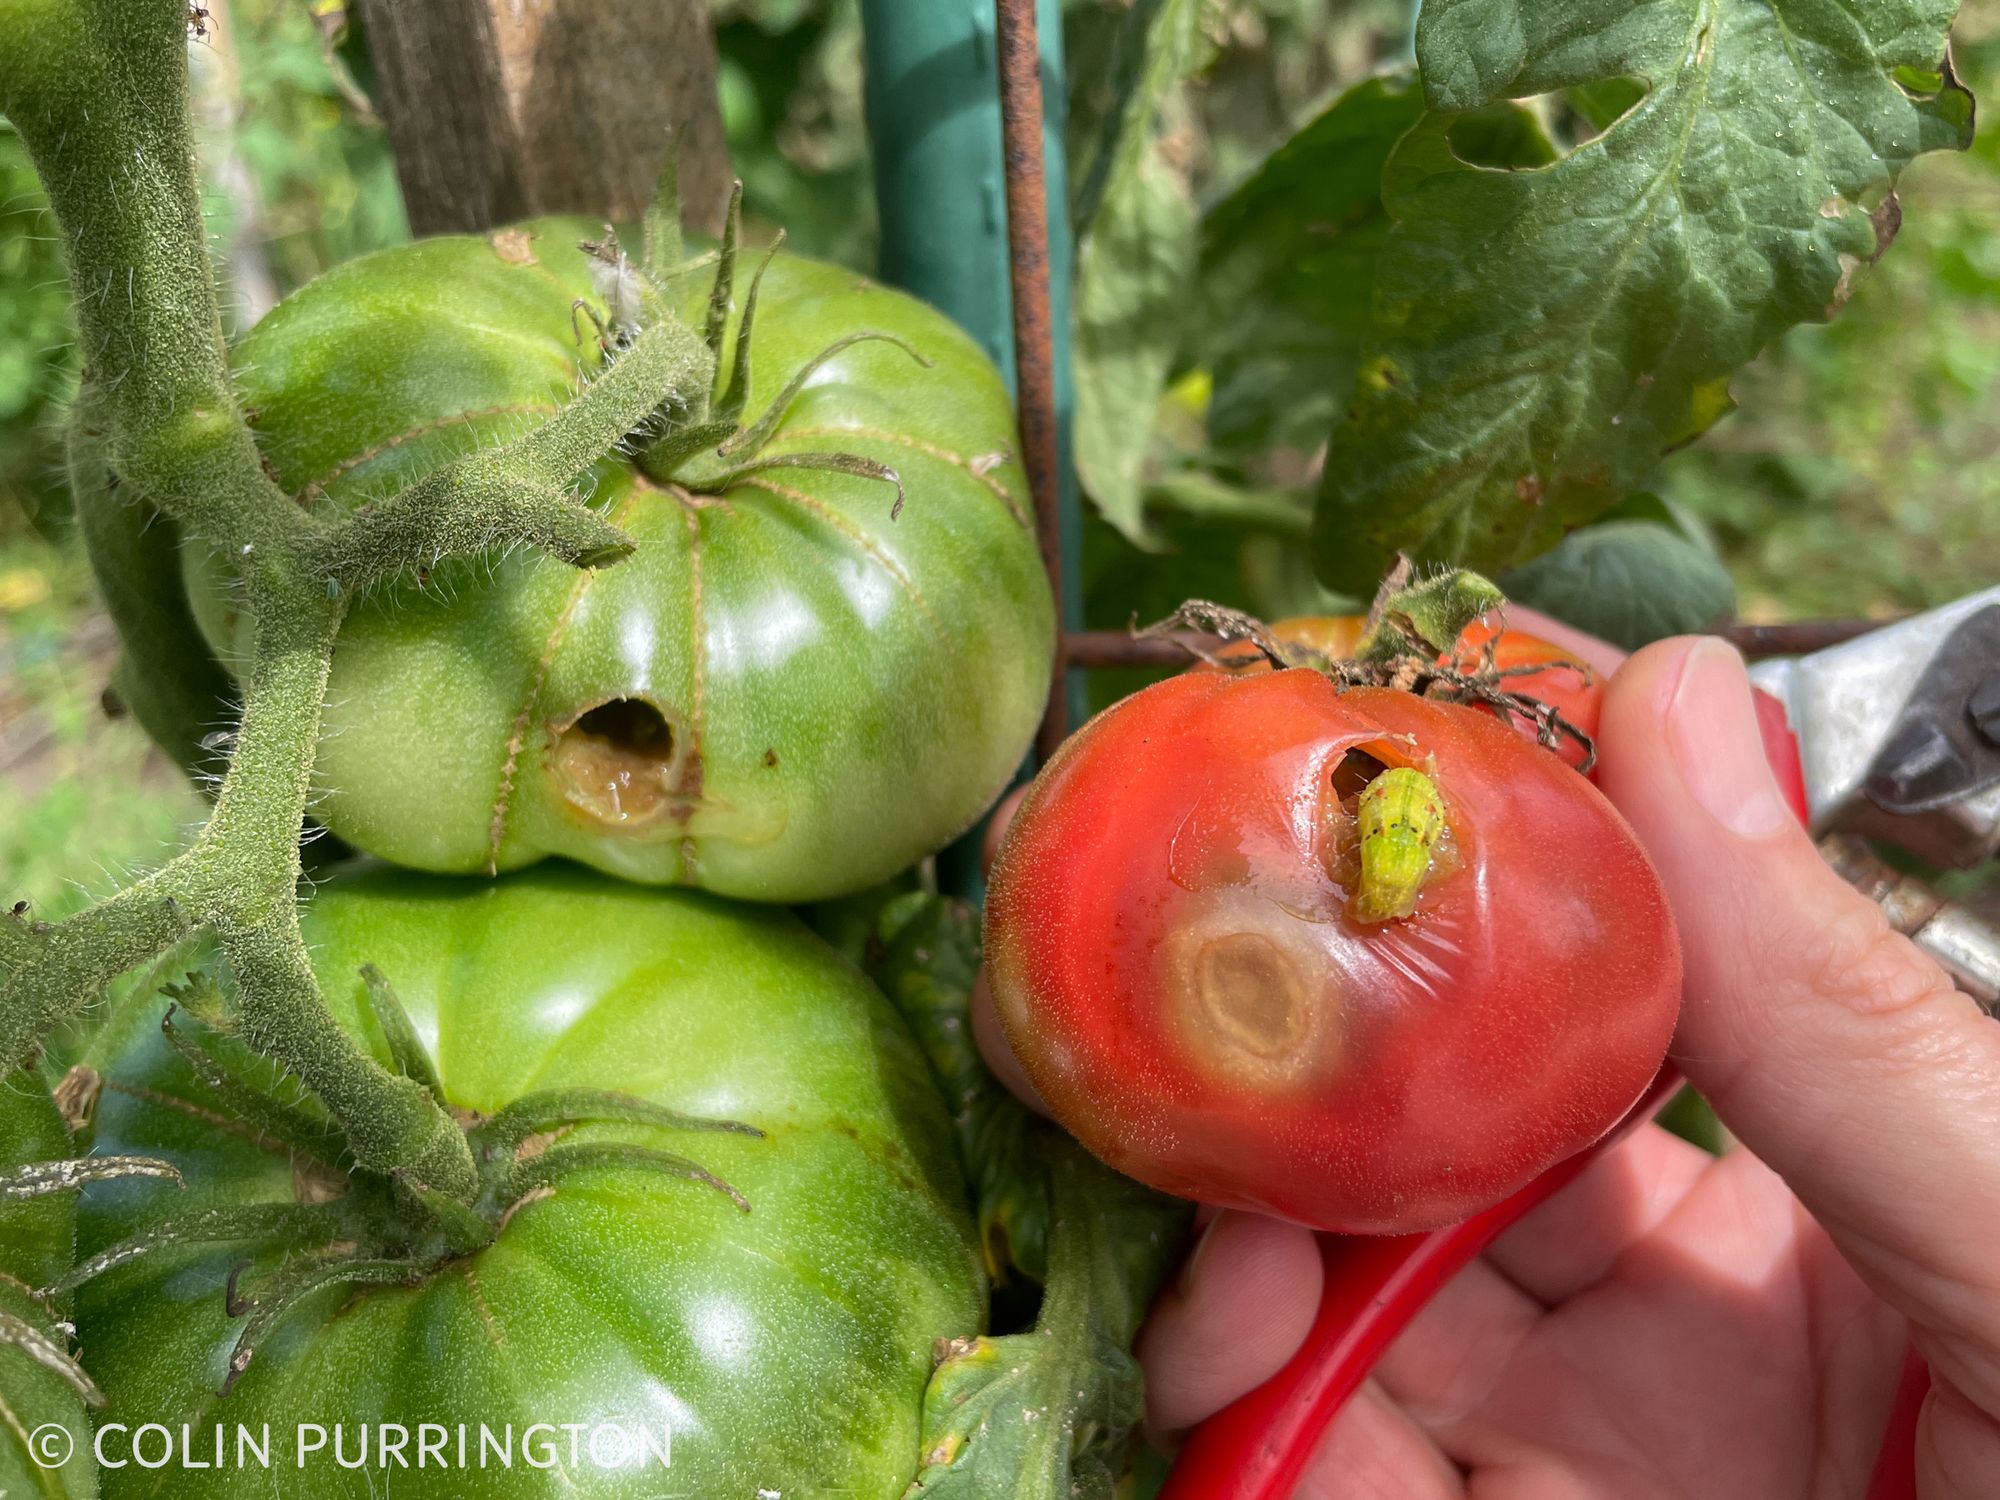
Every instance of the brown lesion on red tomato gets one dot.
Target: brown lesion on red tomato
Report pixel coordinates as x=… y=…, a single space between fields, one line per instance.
x=1251 y=991
x=1248 y=992
x=625 y=764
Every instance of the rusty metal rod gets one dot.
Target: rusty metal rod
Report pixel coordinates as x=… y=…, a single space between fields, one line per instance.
x=1797 y=637
x=1116 y=648
x=1034 y=333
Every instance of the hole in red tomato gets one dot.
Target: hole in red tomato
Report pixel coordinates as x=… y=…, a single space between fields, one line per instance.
x=618 y=763
x=1353 y=772
x=1340 y=849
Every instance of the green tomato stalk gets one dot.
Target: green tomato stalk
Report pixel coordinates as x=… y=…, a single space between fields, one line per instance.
x=99 y=92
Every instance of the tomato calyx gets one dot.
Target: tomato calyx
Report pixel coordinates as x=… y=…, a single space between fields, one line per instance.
x=1424 y=616
x=351 y=1226
x=705 y=448
x=41 y=1179
x=1412 y=643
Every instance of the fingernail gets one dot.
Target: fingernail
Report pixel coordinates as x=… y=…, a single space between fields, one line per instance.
x=1184 y=1283
x=1712 y=734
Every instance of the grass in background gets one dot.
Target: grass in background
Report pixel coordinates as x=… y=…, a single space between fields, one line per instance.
x=85 y=800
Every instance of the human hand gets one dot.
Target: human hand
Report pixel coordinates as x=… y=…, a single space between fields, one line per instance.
x=1670 y=1324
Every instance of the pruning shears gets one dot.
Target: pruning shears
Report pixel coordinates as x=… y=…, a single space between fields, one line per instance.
x=1893 y=736
x=1924 y=776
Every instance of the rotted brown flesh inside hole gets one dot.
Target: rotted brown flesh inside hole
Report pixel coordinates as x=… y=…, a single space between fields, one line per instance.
x=619 y=763
x=1340 y=848
x=1354 y=771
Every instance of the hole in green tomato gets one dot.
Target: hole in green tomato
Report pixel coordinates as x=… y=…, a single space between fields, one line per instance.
x=631 y=724
x=619 y=763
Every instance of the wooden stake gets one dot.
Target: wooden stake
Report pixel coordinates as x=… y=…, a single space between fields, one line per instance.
x=500 y=109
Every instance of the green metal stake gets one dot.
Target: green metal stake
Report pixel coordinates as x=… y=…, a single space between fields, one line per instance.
x=933 y=108
x=933 y=104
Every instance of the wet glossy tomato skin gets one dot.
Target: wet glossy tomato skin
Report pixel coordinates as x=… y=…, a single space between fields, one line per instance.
x=1173 y=961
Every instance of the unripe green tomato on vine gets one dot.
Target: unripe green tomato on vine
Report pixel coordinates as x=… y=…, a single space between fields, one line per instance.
x=792 y=689
x=776 y=1317
x=44 y=1429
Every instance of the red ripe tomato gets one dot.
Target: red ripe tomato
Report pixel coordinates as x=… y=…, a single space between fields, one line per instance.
x=1176 y=958
x=1564 y=683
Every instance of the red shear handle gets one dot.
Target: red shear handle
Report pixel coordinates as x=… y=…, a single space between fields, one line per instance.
x=1781 y=750
x=1258 y=1448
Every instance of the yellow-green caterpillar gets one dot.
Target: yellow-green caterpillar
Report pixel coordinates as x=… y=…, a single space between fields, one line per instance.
x=1400 y=818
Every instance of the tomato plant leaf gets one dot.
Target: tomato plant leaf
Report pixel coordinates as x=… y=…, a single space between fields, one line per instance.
x=1046 y=1414
x=928 y=958
x=1135 y=269
x=1106 y=48
x=1628 y=582
x=1539 y=337
x=1288 y=261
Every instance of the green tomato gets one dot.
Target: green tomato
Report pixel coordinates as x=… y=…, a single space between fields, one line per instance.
x=44 y=1431
x=786 y=1348
x=789 y=692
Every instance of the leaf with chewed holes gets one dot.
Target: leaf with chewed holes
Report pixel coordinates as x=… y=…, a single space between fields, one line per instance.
x=1539 y=337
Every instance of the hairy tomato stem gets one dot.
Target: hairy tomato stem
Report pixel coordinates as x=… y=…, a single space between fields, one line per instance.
x=98 y=90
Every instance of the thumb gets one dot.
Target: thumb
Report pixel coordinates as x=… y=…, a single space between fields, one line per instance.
x=1831 y=1046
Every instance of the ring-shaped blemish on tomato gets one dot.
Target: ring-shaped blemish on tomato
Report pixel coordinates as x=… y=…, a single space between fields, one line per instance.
x=1256 y=993
x=1248 y=988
